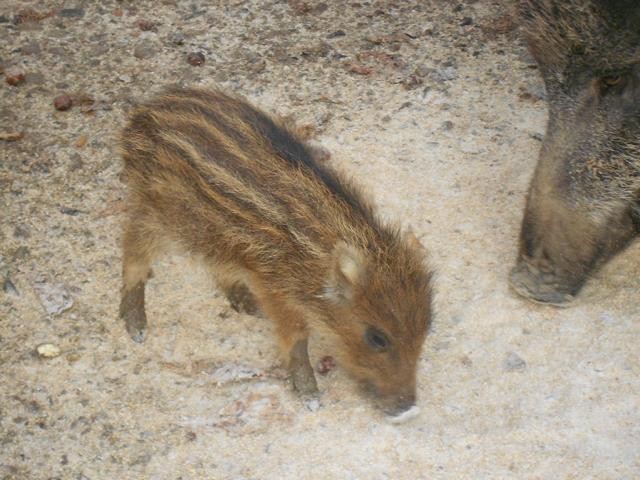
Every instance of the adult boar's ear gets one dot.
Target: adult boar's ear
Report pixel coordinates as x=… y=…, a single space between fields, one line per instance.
x=348 y=266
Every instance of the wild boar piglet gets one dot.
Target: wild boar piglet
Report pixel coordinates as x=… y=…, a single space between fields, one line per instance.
x=281 y=231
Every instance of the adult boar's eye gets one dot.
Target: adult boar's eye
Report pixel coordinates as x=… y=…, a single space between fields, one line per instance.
x=376 y=339
x=611 y=81
x=611 y=84
x=608 y=83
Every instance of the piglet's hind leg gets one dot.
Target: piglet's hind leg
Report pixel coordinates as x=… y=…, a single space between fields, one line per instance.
x=137 y=250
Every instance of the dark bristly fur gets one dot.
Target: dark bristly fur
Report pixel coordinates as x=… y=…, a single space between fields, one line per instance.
x=584 y=200
x=239 y=189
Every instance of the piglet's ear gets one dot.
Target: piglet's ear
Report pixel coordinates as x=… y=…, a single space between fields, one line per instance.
x=413 y=241
x=347 y=271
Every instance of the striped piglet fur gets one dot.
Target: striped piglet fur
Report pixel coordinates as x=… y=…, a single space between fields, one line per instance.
x=281 y=231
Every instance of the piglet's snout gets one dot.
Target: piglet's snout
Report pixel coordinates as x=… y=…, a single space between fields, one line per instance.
x=399 y=404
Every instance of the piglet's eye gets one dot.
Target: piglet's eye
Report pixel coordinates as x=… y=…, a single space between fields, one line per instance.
x=376 y=339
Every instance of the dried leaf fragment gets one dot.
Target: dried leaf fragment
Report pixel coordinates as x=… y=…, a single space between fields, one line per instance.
x=11 y=136
x=359 y=68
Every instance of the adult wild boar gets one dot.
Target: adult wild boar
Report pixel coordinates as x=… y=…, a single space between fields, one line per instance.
x=584 y=200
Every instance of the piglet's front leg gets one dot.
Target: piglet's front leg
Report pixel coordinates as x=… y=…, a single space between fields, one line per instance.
x=293 y=334
x=302 y=376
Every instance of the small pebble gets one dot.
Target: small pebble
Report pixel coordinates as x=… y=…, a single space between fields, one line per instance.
x=320 y=8
x=537 y=136
x=446 y=125
x=62 y=102
x=81 y=142
x=196 y=59
x=256 y=65
x=177 y=38
x=55 y=298
x=72 y=13
x=9 y=287
x=47 y=350
x=31 y=48
x=144 y=49
x=607 y=319
x=69 y=211
x=313 y=405
x=445 y=74
x=411 y=81
x=336 y=34
x=145 y=25
x=35 y=78
x=14 y=78
x=513 y=362
x=21 y=231
x=72 y=357
x=21 y=253
x=300 y=7
x=466 y=361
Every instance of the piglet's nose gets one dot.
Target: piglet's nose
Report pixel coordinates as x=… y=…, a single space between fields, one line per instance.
x=405 y=415
x=402 y=404
x=407 y=403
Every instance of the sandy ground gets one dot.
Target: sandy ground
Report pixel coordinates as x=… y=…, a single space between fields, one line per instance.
x=436 y=107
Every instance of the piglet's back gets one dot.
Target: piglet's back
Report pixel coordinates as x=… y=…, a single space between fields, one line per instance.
x=217 y=171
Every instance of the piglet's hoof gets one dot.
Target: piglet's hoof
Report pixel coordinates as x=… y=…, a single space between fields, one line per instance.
x=136 y=323
x=133 y=314
x=304 y=382
x=302 y=376
x=136 y=333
